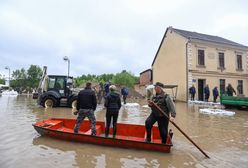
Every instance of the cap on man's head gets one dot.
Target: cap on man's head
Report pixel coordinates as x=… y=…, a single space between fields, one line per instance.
x=159 y=84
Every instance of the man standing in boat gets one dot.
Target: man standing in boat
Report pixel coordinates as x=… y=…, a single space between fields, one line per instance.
x=166 y=104
x=86 y=105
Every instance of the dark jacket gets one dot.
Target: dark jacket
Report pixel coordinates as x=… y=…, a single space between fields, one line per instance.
x=124 y=91
x=86 y=99
x=230 y=90
x=113 y=101
x=215 y=92
x=106 y=88
x=192 y=90
x=206 y=91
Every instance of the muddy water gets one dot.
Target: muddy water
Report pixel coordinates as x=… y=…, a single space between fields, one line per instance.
x=224 y=138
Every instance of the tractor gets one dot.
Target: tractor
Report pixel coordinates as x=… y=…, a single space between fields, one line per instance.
x=56 y=91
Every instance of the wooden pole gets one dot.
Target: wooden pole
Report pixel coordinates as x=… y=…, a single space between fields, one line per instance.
x=161 y=111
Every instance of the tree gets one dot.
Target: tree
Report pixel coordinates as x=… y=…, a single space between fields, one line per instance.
x=19 y=79
x=34 y=74
x=25 y=80
x=125 y=78
x=79 y=81
x=2 y=81
x=19 y=74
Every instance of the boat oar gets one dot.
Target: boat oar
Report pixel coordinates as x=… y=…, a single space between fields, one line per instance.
x=161 y=111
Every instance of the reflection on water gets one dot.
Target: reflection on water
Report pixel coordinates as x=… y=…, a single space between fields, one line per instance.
x=96 y=156
x=224 y=138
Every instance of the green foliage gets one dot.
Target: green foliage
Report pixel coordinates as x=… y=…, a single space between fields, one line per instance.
x=123 y=78
x=20 y=78
x=2 y=81
x=79 y=81
x=34 y=74
x=23 y=79
x=30 y=79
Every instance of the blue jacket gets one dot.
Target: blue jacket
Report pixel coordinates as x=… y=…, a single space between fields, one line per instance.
x=124 y=91
x=192 y=90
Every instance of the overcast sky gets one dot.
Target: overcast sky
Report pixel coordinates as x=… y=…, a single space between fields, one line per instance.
x=106 y=36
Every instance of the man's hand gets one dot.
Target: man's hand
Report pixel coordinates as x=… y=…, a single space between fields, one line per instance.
x=172 y=119
x=150 y=104
x=74 y=112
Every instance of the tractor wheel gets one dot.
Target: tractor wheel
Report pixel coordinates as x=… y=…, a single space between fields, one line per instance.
x=49 y=102
x=74 y=104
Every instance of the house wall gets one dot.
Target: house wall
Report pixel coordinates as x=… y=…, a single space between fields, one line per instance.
x=146 y=78
x=211 y=72
x=170 y=64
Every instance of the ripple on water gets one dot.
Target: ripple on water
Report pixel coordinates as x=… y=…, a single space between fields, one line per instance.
x=245 y=124
x=227 y=158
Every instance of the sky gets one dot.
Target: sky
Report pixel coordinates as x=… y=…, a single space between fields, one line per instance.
x=106 y=36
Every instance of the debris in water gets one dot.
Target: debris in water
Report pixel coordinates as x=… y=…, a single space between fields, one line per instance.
x=217 y=112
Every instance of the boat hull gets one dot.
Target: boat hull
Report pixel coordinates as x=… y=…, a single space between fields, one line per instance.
x=128 y=136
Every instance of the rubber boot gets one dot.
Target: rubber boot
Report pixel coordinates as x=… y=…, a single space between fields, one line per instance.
x=106 y=132
x=114 y=131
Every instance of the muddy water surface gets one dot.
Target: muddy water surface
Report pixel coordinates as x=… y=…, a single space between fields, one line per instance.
x=224 y=138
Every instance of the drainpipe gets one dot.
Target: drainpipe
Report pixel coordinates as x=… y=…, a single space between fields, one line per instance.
x=187 y=71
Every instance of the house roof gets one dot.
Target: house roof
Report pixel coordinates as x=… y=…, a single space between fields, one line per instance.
x=199 y=36
x=145 y=71
x=208 y=38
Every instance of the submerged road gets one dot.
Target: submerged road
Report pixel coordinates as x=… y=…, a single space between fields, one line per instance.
x=223 y=138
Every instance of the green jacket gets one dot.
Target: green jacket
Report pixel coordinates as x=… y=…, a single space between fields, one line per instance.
x=165 y=103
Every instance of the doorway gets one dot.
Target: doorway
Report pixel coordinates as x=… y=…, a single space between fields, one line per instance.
x=201 y=84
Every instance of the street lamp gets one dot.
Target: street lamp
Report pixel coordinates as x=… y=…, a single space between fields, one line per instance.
x=67 y=59
x=9 y=73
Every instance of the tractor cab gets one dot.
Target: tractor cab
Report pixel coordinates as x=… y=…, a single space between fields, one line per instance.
x=60 y=84
x=56 y=91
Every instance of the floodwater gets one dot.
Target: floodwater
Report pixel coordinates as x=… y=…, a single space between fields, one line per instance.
x=223 y=138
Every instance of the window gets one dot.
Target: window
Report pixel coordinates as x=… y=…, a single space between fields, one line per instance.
x=56 y=82
x=51 y=82
x=59 y=83
x=240 y=87
x=222 y=86
x=239 y=62
x=201 y=59
x=221 y=60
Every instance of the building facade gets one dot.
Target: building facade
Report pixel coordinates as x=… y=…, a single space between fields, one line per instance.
x=187 y=58
x=146 y=77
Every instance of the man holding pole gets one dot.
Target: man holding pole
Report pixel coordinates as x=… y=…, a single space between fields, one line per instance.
x=166 y=104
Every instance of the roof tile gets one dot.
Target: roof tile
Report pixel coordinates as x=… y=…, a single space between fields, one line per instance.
x=209 y=38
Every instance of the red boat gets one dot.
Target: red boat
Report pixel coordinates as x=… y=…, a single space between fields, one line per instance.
x=128 y=135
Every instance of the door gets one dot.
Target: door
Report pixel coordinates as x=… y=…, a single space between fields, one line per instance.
x=60 y=85
x=201 y=83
